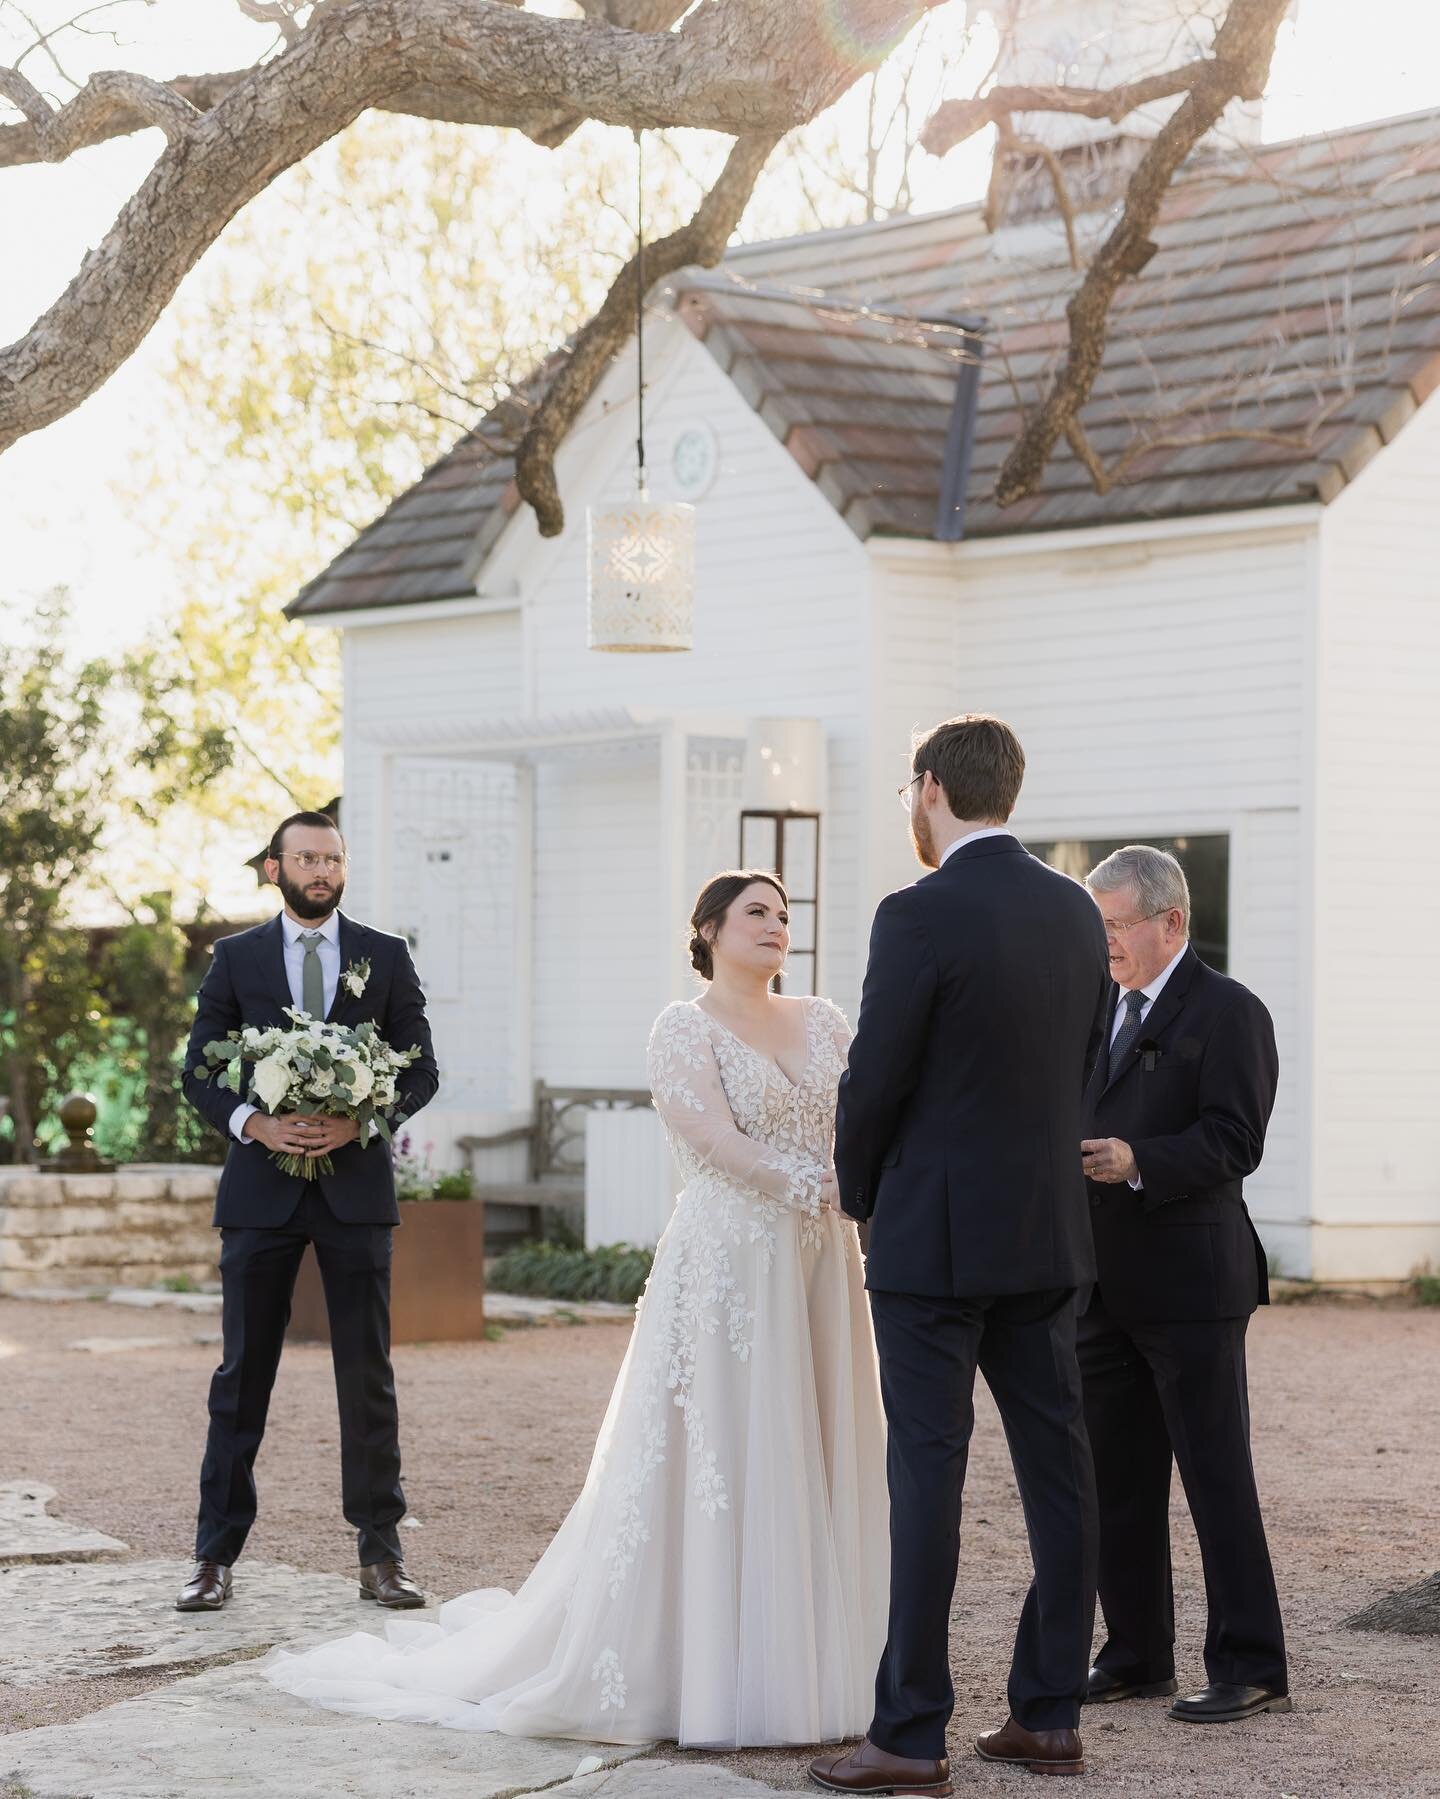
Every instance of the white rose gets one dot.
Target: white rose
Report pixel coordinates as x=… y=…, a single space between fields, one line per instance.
x=271 y=1082
x=321 y=1082
x=361 y=1081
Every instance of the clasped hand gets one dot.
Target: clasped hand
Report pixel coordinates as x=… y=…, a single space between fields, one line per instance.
x=302 y=1133
x=1108 y=1159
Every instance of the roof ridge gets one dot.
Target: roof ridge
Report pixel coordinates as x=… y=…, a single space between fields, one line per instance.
x=713 y=281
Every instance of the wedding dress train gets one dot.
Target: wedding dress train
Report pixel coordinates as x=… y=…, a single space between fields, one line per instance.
x=723 y=1577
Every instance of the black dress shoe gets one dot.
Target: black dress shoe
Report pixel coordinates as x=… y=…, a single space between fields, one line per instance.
x=389 y=1585
x=1105 y=1689
x=206 y=1590
x=1223 y=1703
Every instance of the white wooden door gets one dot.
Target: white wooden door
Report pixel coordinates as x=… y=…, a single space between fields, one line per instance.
x=453 y=884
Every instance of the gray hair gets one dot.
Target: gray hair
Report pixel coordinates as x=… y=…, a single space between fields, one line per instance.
x=1158 y=879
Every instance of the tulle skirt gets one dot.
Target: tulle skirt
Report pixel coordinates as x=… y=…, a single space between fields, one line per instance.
x=722 y=1579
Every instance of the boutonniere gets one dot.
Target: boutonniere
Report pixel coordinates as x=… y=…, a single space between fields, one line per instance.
x=355 y=978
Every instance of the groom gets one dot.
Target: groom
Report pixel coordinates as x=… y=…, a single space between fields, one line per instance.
x=982 y=1013
x=312 y=957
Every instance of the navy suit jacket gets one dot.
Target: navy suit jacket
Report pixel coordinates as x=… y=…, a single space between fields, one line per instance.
x=958 y=1126
x=1192 y=1100
x=246 y=984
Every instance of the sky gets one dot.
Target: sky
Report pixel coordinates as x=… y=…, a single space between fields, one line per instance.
x=63 y=517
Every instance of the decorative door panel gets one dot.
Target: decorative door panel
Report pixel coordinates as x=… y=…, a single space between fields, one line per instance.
x=452 y=882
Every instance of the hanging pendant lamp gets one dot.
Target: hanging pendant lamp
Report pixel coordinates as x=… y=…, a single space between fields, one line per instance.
x=641 y=553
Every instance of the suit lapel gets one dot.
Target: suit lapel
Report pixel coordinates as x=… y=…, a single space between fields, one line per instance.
x=1160 y=1016
x=272 y=954
x=1100 y=1078
x=351 y=949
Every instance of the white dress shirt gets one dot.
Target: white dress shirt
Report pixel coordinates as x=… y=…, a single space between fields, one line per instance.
x=1152 y=991
x=972 y=837
x=328 y=951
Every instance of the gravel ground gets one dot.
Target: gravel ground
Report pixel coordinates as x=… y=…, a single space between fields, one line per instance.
x=497 y=1437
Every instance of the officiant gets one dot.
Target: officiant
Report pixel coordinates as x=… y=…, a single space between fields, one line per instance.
x=1176 y=1115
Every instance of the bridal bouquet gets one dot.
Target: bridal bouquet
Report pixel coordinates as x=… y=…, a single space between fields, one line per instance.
x=340 y=1070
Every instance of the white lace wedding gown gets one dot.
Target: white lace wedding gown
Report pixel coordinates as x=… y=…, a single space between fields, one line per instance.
x=722 y=1578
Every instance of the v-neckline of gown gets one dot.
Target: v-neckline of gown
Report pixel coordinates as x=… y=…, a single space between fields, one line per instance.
x=760 y=1055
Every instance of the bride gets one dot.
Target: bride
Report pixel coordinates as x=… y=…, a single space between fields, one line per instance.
x=722 y=1579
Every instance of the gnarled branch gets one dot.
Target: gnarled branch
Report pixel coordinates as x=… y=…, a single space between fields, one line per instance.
x=702 y=241
x=1244 y=44
x=60 y=132
x=732 y=68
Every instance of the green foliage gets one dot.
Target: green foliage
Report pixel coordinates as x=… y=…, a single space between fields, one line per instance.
x=1425 y=1285
x=148 y=986
x=617 y=1272
x=52 y=800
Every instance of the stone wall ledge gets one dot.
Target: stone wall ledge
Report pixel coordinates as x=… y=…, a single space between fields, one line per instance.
x=127 y=1215
x=138 y=1226
x=97 y=1280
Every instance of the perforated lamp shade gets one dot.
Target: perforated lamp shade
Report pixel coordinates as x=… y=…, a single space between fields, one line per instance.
x=642 y=576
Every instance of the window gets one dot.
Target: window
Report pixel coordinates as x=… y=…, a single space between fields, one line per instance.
x=788 y=844
x=1206 y=861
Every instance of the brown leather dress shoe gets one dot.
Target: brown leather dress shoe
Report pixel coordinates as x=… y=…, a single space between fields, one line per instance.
x=206 y=1590
x=866 y=1769
x=389 y=1585
x=1041 y=1751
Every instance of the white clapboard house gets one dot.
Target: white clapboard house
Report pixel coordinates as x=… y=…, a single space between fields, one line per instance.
x=1234 y=650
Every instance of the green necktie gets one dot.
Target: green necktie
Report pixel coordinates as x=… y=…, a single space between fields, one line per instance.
x=312 y=977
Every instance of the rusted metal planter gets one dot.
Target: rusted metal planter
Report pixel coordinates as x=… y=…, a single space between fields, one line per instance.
x=437 y=1278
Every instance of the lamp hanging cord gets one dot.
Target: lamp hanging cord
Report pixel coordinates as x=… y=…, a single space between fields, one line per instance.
x=640 y=308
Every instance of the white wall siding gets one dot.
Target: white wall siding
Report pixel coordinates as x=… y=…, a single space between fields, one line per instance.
x=780 y=612
x=598 y=918
x=1158 y=690
x=1377 y=948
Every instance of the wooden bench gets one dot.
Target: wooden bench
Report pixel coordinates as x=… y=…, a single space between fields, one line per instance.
x=555 y=1175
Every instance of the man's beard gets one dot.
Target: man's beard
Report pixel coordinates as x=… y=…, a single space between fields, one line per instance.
x=305 y=905
x=923 y=839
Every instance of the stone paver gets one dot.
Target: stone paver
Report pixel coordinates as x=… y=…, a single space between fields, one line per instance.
x=520 y=1308
x=118 y=1345
x=148 y=1298
x=229 y=1733
x=29 y=1534
x=71 y=1620
x=665 y=1780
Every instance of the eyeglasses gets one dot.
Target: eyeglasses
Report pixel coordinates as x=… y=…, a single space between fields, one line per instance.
x=907 y=792
x=1113 y=927
x=307 y=861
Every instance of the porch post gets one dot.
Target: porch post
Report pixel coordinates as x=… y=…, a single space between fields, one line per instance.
x=674 y=961
x=522 y=989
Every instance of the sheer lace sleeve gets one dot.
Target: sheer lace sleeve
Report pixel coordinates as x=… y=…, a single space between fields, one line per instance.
x=836 y=1026
x=690 y=1098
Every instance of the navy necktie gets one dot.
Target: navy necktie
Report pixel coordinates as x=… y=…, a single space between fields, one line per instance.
x=1128 y=1032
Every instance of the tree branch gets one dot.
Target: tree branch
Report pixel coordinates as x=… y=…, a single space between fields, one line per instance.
x=1244 y=44
x=58 y=133
x=957 y=120
x=702 y=241
x=735 y=67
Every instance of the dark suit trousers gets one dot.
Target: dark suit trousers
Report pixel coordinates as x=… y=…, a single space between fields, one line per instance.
x=1150 y=1389
x=929 y=1350
x=257 y=1275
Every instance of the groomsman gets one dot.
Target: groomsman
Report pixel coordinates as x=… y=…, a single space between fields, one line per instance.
x=267 y=1217
x=1175 y=1120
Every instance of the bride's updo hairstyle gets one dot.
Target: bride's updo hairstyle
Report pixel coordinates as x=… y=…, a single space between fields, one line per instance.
x=717 y=896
